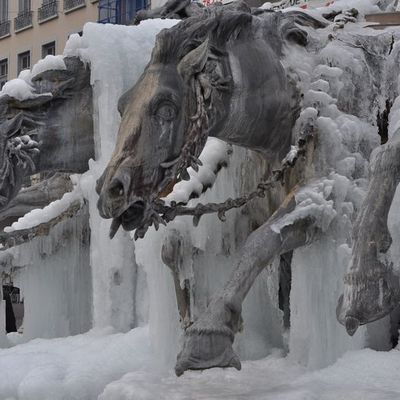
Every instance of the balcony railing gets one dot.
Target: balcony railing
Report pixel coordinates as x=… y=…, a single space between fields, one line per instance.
x=72 y=4
x=4 y=28
x=23 y=21
x=48 y=11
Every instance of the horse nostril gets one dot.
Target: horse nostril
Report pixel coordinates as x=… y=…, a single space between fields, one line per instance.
x=351 y=325
x=116 y=188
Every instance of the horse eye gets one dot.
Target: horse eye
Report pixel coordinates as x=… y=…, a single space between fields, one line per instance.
x=166 y=112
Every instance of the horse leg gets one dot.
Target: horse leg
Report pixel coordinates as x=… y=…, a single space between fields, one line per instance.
x=172 y=254
x=208 y=341
x=371 y=287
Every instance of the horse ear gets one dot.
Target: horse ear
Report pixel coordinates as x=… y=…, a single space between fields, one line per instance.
x=292 y=23
x=295 y=34
x=194 y=61
x=304 y=19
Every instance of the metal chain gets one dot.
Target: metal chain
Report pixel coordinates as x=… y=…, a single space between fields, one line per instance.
x=169 y=213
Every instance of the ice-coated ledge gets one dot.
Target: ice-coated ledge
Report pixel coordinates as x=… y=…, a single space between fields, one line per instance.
x=43 y=215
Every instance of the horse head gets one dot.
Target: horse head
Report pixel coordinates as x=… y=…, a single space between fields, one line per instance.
x=200 y=82
x=166 y=119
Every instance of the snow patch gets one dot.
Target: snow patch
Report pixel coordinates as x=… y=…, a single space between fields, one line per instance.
x=291 y=156
x=215 y=153
x=18 y=89
x=48 y=63
x=105 y=365
x=72 y=368
x=43 y=215
x=73 y=45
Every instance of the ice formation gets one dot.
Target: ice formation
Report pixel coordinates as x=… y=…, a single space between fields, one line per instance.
x=127 y=285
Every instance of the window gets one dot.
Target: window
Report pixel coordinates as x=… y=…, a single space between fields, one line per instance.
x=3 y=72
x=47 y=11
x=121 y=12
x=23 y=19
x=24 y=6
x=49 y=49
x=3 y=10
x=70 y=5
x=24 y=61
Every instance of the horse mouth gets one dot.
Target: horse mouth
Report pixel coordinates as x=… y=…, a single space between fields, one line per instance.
x=132 y=218
x=138 y=215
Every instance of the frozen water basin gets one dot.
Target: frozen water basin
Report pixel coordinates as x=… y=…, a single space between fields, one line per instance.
x=358 y=375
x=115 y=366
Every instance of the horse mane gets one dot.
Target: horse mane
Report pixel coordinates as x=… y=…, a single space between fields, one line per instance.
x=220 y=24
x=215 y=23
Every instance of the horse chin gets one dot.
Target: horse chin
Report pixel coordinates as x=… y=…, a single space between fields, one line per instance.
x=133 y=217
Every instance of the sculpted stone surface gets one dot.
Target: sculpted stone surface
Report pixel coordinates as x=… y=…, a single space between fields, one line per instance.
x=35 y=196
x=220 y=72
x=52 y=131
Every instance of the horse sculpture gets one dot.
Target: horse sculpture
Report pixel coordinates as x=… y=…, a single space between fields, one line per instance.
x=220 y=74
x=227 y=71
x=204 y=79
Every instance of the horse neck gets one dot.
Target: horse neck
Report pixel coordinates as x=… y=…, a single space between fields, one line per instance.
x=260 y=112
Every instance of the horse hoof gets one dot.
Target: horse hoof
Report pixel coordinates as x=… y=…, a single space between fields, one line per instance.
x=204 y=350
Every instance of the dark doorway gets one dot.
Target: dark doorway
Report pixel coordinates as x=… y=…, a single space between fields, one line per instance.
x=285 y=284
x=14 y=308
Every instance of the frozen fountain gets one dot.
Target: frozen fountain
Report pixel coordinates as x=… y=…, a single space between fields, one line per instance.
x=75 y=279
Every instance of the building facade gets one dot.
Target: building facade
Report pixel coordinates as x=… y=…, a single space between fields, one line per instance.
x=32 y=29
